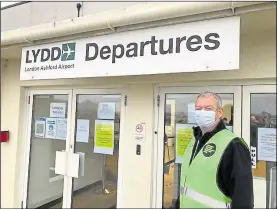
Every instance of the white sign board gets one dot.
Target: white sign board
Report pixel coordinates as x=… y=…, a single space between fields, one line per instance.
x=140 y=132
x=267 y=144
x=253 y=157
x=57 y=110
x=208 y=45
x=60 y=160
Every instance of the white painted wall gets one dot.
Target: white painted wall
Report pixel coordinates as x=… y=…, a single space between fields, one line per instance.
x=10 y=119
x=35 y=13
x=258 y=65
x=137 y=169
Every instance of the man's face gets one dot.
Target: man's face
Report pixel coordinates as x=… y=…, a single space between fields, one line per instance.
x=208 y=103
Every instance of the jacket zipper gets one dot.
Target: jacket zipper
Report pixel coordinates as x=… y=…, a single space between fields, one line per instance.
x=195 y=150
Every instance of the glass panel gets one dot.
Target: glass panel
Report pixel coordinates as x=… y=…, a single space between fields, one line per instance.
x=97 y=119
x=179 y=113
x=45 y=188
x=263 y=138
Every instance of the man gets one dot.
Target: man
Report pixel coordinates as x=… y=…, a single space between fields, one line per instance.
x=216 y=169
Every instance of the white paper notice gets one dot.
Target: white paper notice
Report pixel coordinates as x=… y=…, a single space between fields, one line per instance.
x=253 y=156
x=51 y=128
x=82 y=130
x=140 y=132
x=267 y=144
x=61 y=128
x=106 y=110
x=57 y=110
x=40 y=127
x=191 y=113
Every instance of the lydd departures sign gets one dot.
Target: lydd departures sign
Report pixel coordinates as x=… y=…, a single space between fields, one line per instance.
x=198 y=46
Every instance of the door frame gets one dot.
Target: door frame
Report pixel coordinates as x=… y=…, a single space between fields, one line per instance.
x=27 y=155
x=70 y=145
x=122 y=93
x=247 y=91
x=161 y=91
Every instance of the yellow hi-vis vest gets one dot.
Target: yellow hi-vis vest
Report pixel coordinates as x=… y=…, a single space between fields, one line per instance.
x=198 y=186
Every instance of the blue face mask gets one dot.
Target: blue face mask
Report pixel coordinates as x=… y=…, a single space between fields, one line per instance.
x=205 y=119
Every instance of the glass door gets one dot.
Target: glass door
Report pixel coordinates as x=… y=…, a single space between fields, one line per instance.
x=175 y=120
x=97 y=123
x=49 y=113
x=259 y=130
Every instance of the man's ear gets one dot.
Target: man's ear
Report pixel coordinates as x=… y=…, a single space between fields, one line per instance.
x=219 y=113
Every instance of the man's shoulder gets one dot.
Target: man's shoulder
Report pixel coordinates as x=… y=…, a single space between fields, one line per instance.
x=234 y=139
x=238 y=142
x=237 y=147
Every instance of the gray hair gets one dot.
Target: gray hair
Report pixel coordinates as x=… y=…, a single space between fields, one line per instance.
x=209 y=94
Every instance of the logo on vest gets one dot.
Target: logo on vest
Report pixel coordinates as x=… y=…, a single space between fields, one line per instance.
x=209 y=149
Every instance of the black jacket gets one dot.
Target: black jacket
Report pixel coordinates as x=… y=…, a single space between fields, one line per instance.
x=234 y=176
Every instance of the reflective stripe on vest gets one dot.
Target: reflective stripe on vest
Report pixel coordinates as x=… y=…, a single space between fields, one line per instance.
x=196 y=196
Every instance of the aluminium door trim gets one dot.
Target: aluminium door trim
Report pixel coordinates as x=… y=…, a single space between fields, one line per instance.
x=258 y=182
x=28 y=134
x=69 y=186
